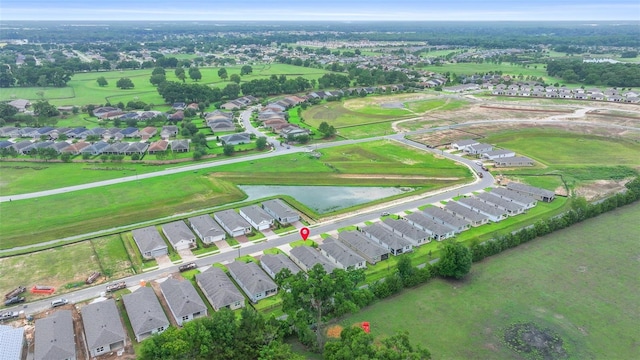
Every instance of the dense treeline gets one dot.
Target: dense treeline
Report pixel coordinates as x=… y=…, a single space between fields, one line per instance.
x=615 y=75
x=580 y=211
x=275 y=85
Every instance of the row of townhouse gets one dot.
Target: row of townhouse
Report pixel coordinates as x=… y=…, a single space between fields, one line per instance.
x=500 y=157
x=82 y=133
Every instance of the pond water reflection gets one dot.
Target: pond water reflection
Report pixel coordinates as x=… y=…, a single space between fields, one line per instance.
x=324 y=199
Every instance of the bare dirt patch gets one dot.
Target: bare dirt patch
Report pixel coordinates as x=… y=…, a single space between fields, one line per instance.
x=356 y=104
x=535 y=343
x=600 y=189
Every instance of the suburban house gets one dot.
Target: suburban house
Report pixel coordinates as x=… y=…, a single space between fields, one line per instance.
x=252 y=280
x=257 y=217
x=11 y=342
x=494 y=213
x=536 y=193
x=179 y=235
x=510 y=207
x=219 y=289
x=169 y=131
x=498 y=154
x=280 y=211
x=365 y=247
x=385 y=237
x=54 y=337
x=463 y=212
x=145 y=313
x=232 y=222
x=463 y=144
x=207 y=229
x=513 y=161
x=437 y=214
x=307 y=257
x=341 y=255
x=20 y=104
x=407 y=231
x=148 y=132
x=103 y=328
x=272 y=264
x=221 y=125
x=478 y=149
x=180 y=145
x=130 y=132
x=158 y=146
x=436 y=230
x=183 y=300
x=136 y=148
x=95 y=148
x=75 y=149
x=235 y=139
x=150 y=242
x=524 y=200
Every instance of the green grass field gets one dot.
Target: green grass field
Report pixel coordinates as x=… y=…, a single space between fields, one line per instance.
x=580 y=282
x=537 y=70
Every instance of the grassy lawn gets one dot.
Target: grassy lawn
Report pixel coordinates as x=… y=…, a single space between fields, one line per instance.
x=537 y=70
x=80 y=212
x=340 y=114
x=563 y=282
x=112 y=256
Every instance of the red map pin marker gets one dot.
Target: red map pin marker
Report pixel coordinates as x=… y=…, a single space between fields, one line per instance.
x=304 y=232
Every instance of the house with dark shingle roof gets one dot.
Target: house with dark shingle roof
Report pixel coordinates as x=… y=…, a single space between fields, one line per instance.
x=255 y=283
x=385 y=237
x=437 y=231
x=145 y=313
x=280 y=211
x=494 y=213
x=179 y=235
x=235 y=139
x=180 y=145
x=219 y=289
x=103 y=329
x=536 y=193
x=510 y=195
x=136 y=148
x=11 y=342
x=54 y=337
x=341 y=255
x=232 y=222
x=150 y=242
x=510 y=207
x=272 y=264
x=307 y=257
x=447 y=219
x=183 y=300
x=407 y=231
x=206 y=228
x=474 y=217
x=257 y=217
x=365 y=247
x=95 y=148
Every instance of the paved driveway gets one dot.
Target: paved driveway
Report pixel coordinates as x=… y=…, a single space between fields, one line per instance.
x=164 y=261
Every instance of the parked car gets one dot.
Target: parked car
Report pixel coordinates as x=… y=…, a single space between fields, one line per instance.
x=384 y=213
x=8 y=315
x=59 y=302
x=186 y=267
x=14 y=300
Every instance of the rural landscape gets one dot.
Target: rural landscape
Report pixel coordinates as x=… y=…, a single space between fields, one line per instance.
x=288 y=190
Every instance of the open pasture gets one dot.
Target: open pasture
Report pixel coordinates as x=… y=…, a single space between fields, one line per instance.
x=580 y=283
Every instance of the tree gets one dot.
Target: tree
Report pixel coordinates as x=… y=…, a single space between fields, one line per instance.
x=327 y=130
x=246 y=70
x=235 y=78
x=231 y=91
x=222 y=73
x=228 y=149
x=195 y=74
x=102 y=82
x=66 y=157
x=261 y=143
x=179 y=72
x=45 y=110
x=157 y=79
x=455 y=260
x=354 y=343
x=7 y=111
x=125 y=83
x=159 y=71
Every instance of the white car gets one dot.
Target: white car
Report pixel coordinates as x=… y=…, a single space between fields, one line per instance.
x=59 y=302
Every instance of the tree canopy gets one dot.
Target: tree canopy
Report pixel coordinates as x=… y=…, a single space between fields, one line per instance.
x=455 y=261
x=125 y=83
x=355 y=344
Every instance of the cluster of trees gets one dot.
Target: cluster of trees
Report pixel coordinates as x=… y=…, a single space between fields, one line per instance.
x=276 y=85
x=173 y=92
x=333 y=81
x=354 y=343
x=32 y=75
x=580 y=211
x=366 y=77
x=614 y=75
x=327 y=130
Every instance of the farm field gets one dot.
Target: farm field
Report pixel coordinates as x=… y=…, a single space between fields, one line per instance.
x=36 y=220
x=562 y=282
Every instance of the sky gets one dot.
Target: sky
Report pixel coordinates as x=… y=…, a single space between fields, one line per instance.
x=336 y=10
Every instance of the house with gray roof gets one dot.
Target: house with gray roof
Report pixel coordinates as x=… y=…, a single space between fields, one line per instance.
x=478 y=149
x=20 y=104
x=272 y=264
x=169 y=131
x=498 y=154
x=407 y=231
x=11 y=342
x=252 y=280
x=364 y=246
x=206 y=228
x=183 y=300
x=232 y=222
x=95 y=148
x=235 y=139
x=510 y=195
x=535 y=192
x=116 y=148
x=341 y=255
x=494 y=213
x=136 y=148
x=179 y=235
x=385 y=237
x=103 y=329
x=510 y=207
x=307 y=257
x=54 y=337
x=150 y=242
x=447 y=219
x=515 y=161
x=437 y=231
x=280 y=211
x=145 y=313
x=219 y=290
x=463 y=144
x=474 y=217
x=9 y=131
x=257 y=217
x=180 y=145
